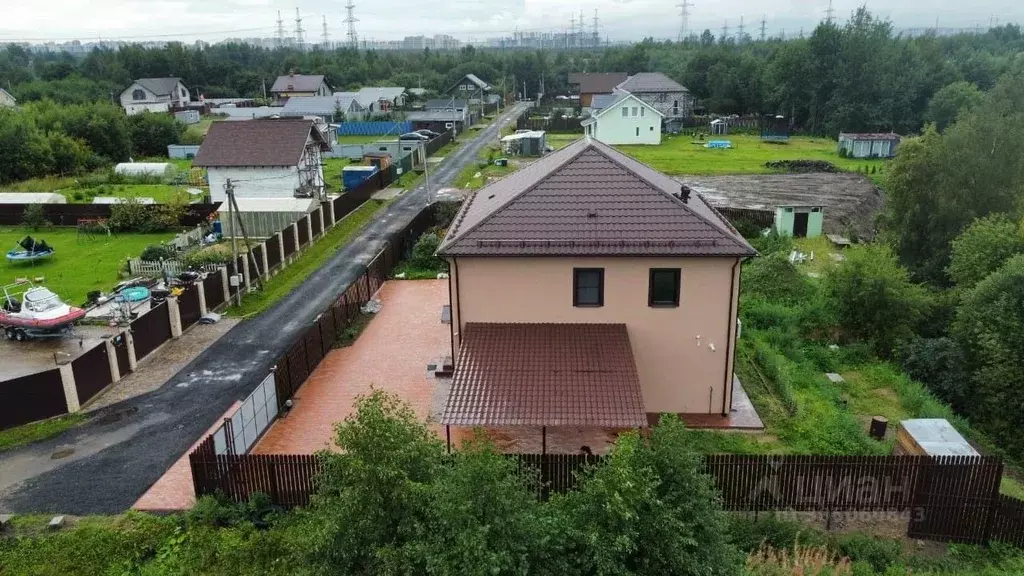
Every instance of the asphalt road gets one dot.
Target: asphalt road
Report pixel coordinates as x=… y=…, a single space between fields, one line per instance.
x=106 y=464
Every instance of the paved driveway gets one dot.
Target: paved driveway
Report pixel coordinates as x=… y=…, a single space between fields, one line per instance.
x=126 y=447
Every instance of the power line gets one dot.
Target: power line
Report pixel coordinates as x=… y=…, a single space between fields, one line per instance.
x=350 y=20
x=298 y=30
x=684 y=18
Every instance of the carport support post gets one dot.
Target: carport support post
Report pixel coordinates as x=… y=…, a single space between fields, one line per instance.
x=201 y=291
x=266 y=263
x=280 y=247
x=67 y=378
x=115 y=370
x=175 y=316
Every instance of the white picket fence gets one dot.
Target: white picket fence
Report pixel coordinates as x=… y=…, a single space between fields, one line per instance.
x=156 y=269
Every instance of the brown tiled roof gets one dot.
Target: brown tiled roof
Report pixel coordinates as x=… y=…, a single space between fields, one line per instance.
x=268 y=142
x=597 y=83
x=589 y=199
x=297 y=83
x=545 y=375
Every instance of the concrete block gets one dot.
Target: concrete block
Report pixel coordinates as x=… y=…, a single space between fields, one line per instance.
x=56 y=523
x=5 y=521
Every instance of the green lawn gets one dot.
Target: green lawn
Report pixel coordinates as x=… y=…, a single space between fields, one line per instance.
x=559 y=141
x=683 y=155
x=310 y=260
x=332 y=172
x=78 y=266
x=367 y=139
x=21 y=435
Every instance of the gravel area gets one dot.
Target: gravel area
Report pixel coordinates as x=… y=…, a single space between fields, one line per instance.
x=109 y=461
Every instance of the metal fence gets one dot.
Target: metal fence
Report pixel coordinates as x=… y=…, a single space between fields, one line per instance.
x=151 y=330
x=373 y=128
x=239 y=432
x=188 y=306
x=92 y=372
x=70 y=214
x=30 y=398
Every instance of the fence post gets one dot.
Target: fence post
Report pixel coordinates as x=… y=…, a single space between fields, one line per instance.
x=320 y=214
x=115 y=370
x=201 y=291
x=245 y=271
x=334 y=218
x=174 y=314
x=67 y=378
x=129 y=339
x=266 y=263
x=295 y=234
x=225 y=285
x=280 y=249
x=309 y=228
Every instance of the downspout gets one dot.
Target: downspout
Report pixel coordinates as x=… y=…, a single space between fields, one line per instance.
x=729 y=346
x=451 y=323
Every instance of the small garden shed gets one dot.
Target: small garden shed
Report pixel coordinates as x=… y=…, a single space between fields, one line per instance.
x=799 y=221
x=719 y=127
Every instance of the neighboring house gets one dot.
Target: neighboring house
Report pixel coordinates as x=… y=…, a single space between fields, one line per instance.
x=588 y=85
x=439 y=120
x=294 y=85
x=271 y=158
x=588 y=289
x=671 y=98
x=6 y=100
x=869 y=145
x=470 y=88
x=381 y=99
x=336 y=108
x=154 y=95
x=622 y=118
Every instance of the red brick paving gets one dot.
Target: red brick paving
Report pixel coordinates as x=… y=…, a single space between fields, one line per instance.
x=391 y=354
x=174 y=490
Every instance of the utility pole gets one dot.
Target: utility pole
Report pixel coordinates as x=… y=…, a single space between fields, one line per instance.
x=350 y=19
x=763 y=22
x=298 y=30
x=326 y=35
x=236 y=220
x=830 y=13
x=684 y=18
x=280 y=30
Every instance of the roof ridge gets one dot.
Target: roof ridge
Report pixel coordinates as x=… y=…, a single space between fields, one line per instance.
x=466 y=205
x=728 y=228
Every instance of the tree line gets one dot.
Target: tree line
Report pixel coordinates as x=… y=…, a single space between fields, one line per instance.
x=854 y=76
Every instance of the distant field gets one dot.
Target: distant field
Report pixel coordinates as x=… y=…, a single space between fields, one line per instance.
x=78 y=266
x=681 y=155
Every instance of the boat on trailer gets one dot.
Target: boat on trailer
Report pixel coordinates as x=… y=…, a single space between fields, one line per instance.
x=28 y=311
x=30 y=250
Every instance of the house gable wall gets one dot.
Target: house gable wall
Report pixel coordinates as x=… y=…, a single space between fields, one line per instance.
x=682 y=353
x=665 y=102
x=611 y=128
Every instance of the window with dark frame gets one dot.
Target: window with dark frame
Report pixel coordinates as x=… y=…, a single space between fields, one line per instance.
x=588 y=287
x=664 y=288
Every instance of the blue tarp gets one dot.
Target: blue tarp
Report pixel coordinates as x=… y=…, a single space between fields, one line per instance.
x=374 y=128
x=718 y=144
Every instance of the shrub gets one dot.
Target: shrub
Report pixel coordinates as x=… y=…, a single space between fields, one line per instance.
x=749 y=533
x=130 y=215
x=423 y=252
x=155 y=252
x=878 y=552
x=982 y=248
x=444 y=213
x=940 y=364
x=34 y=217
x=773 y=242
x=776 y=279
x=199 y=258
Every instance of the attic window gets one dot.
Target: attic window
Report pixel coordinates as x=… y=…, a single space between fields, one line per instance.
x=592 y=214
x=491 y=197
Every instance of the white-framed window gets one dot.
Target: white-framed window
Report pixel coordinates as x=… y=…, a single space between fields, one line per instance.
x=641 y=111
x=138 y=94
x=634 y=112
x=675 y=107
x=625 y=111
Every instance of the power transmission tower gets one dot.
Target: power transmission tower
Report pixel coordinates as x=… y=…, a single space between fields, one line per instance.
x=572 y=34
x=583 y=30
x=740 y=34
x=280 y=30
x=763 y=18
x=684 y=18
x=299 y=42
x=725 y=31
x=596 y=37
x=350 y=20
x=830 y=13
x=326 y=34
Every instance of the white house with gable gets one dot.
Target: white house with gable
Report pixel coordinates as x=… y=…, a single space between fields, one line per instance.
x=622 y=118
x=154 y=95
x=267 y=158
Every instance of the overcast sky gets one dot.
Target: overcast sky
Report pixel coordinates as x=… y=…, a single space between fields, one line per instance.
x=214 y=20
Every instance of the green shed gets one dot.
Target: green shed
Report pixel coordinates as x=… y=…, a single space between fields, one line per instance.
x=799 y=221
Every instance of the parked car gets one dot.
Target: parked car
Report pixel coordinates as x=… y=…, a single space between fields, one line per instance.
x=428 y=133
x=413 y=136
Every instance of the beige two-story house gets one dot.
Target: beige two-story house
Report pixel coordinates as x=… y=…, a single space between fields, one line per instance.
x=588 y=289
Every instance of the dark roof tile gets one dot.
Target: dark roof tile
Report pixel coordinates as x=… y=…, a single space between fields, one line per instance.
x=269 y=142
x=297 y=83
x=545 y=375
x=645 y=82
x=597 y=83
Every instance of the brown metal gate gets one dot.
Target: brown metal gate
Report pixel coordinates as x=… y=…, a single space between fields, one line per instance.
x=121 y=350
x=955 y=499
x=188 y=306
x=213 y=289
x=92 y=373
x=151 y=330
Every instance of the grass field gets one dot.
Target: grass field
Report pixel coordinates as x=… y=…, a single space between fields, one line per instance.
x=681 y=155
x=310 y=260
x=77 y=267
x=332 y=172
x=36 y=431
x=367 y=139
